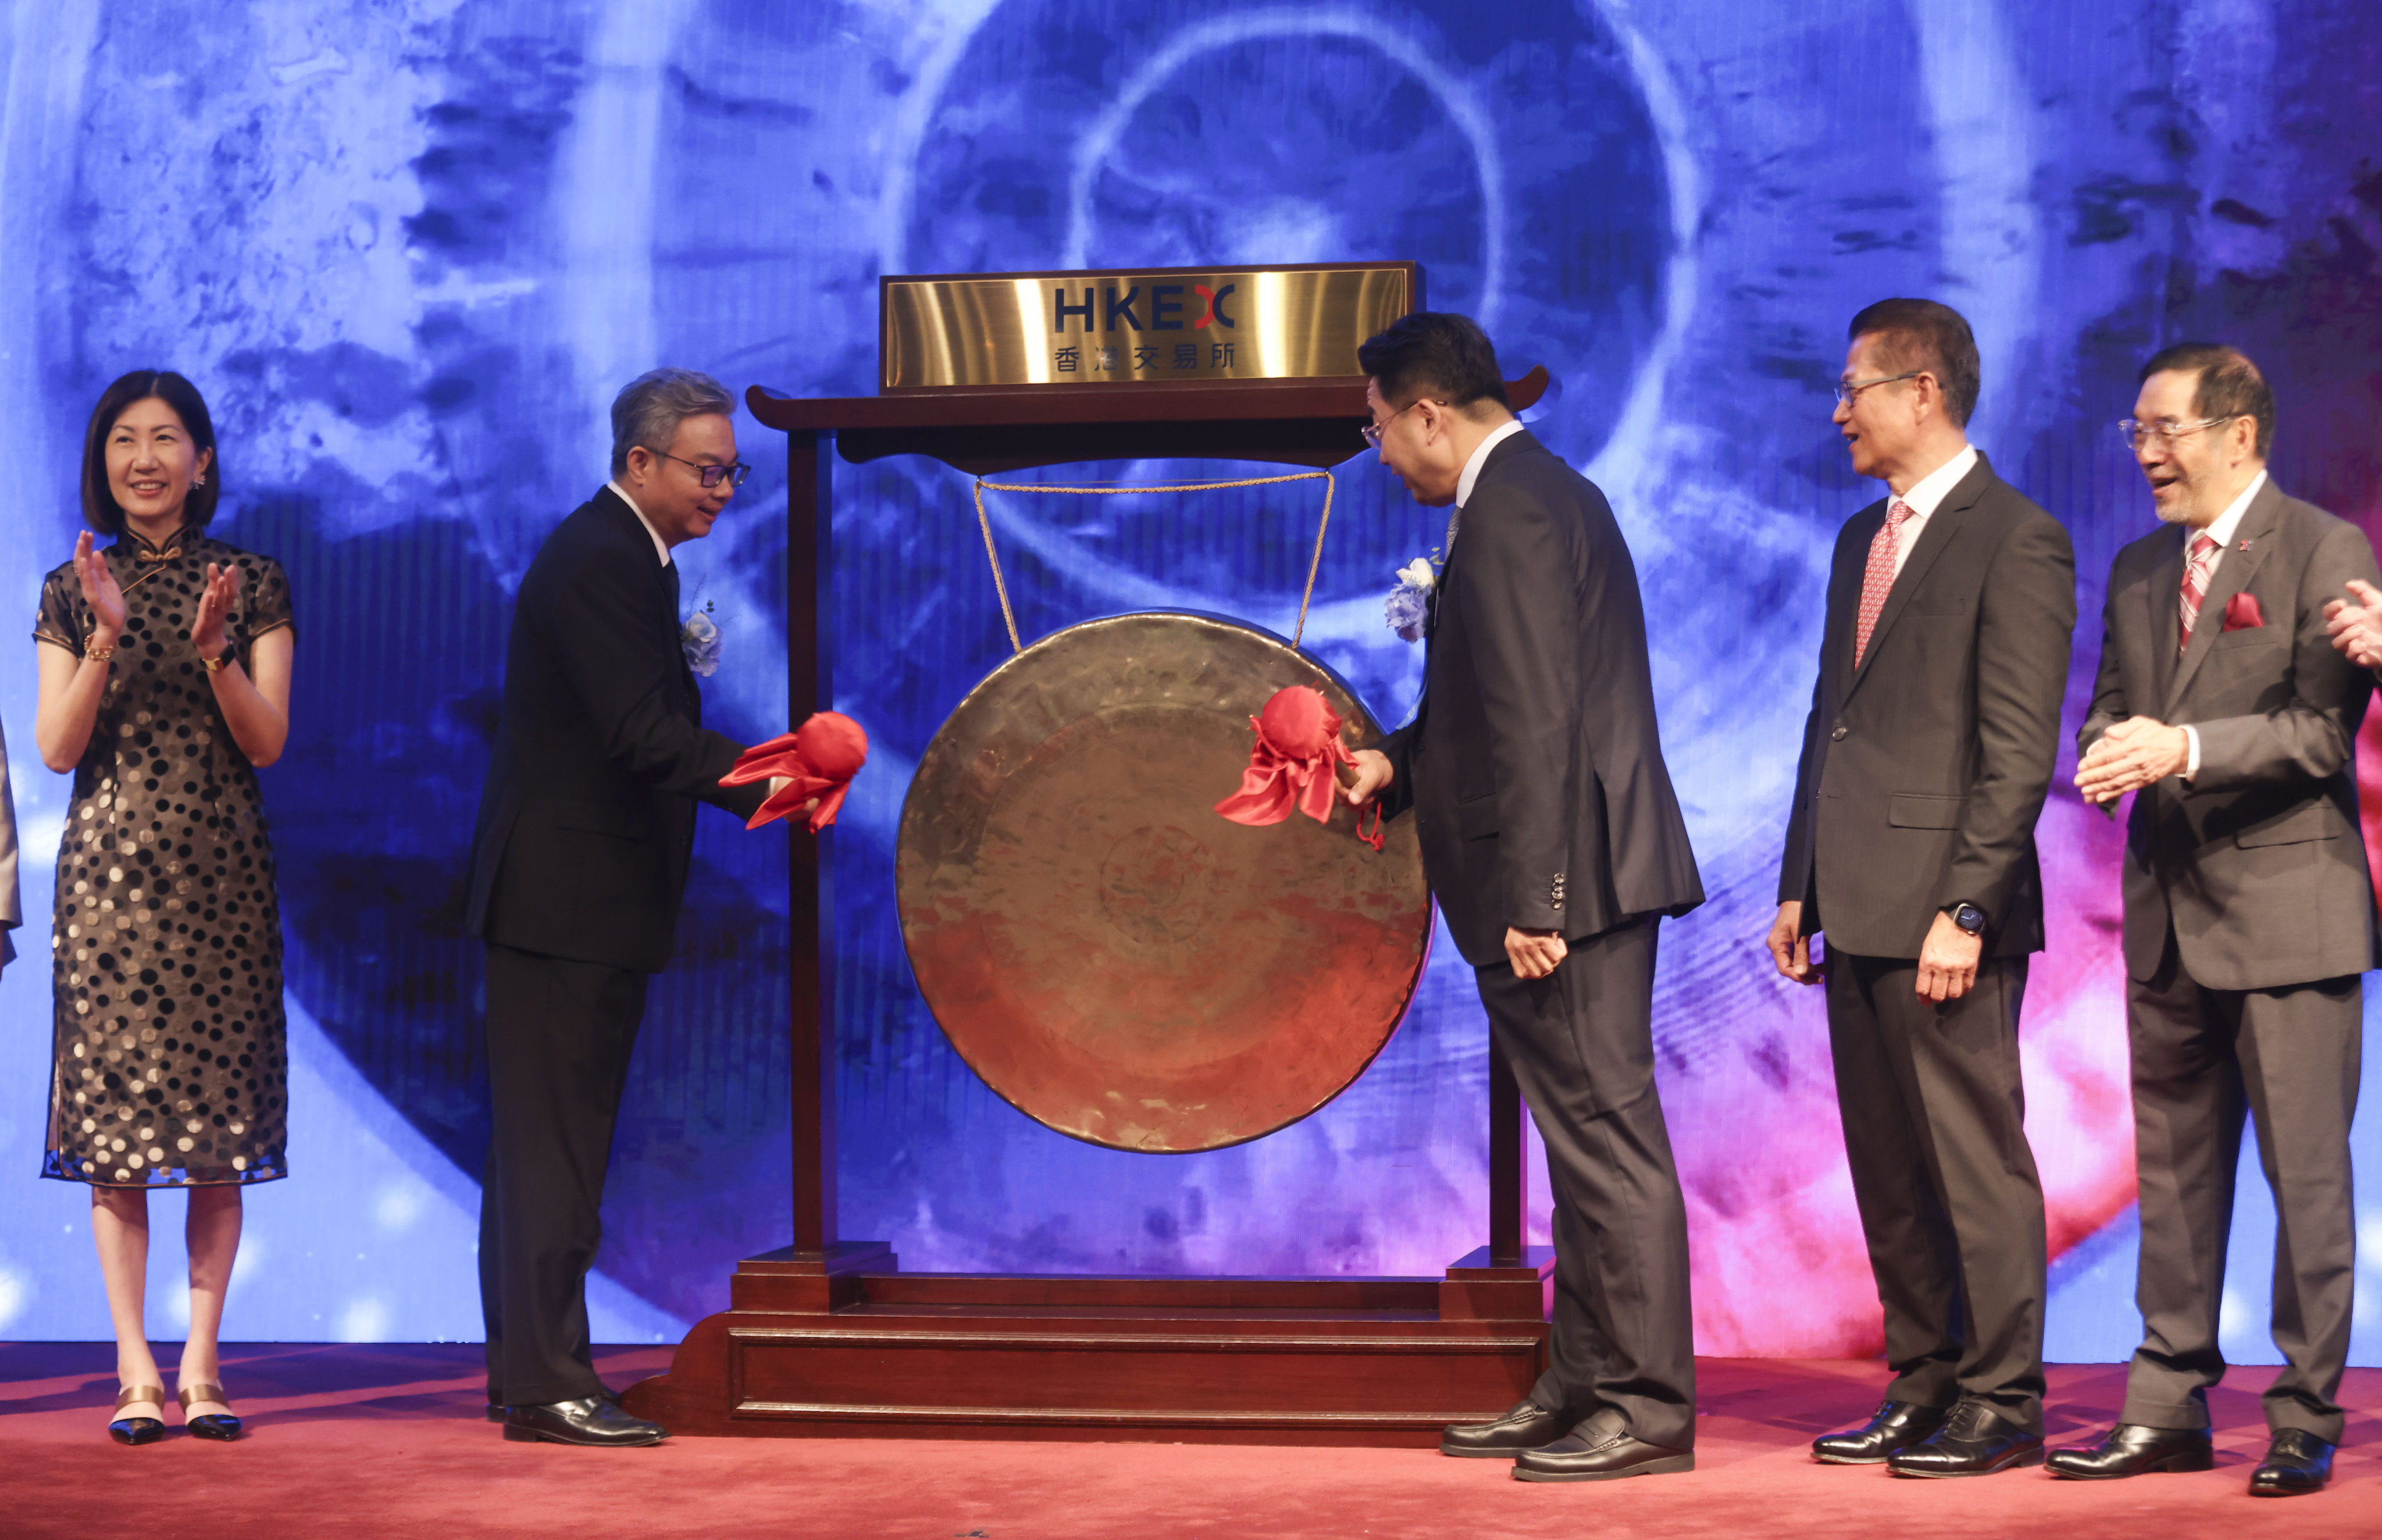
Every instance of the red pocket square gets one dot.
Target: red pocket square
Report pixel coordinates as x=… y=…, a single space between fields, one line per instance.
x=2241 y=612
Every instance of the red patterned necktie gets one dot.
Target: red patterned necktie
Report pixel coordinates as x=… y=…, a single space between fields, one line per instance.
x=1877 y=580
x=2195 y=585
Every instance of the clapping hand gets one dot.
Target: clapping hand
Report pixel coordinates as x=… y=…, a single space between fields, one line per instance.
x=215 y=607
x=2134 y=753
x=2356 y=624
x=99 y=590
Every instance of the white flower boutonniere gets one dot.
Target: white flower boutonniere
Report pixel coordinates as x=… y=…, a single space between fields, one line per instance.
x=699 y=639
x=1409 y=605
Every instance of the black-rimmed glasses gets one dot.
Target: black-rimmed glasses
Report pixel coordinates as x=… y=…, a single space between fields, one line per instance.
x=735 y=472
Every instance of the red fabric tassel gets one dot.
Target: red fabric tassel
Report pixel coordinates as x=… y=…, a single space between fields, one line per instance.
x=818 y=760
x=1294 y=765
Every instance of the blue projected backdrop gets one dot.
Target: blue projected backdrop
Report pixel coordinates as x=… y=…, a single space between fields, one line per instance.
x=410 y=250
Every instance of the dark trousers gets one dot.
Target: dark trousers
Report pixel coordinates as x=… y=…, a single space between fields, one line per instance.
x=560 y=1034
x=1934 y=1119
x=1581 y=1044
x=2202 y=1058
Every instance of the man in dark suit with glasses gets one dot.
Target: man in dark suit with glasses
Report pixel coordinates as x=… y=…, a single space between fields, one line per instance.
x=585 y=831
x=1933 y=728
x=1554 y=845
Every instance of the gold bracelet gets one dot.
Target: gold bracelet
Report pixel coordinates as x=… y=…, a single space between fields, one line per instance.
x=99 y=655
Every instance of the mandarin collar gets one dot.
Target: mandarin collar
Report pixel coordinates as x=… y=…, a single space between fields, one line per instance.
x=174 y=544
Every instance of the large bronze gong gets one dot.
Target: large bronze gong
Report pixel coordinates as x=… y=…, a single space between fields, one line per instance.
x=1114 y=957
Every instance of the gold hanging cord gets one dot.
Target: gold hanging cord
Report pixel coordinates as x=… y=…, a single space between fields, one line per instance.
x=984 y=522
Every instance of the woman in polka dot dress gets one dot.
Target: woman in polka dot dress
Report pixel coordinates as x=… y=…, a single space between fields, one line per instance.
x=164 y=683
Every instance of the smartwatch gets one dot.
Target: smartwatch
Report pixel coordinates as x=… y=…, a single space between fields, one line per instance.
x=1968 y=916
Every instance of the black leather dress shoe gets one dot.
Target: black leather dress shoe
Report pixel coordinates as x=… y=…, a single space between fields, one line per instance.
x=2133 y=1449
x=496 y=1412
x=1527 y=1426
x=1975 y=1440
x=2297 y=1463
x=591 y=1420
x=1897 y=1425
x=1591 y=1455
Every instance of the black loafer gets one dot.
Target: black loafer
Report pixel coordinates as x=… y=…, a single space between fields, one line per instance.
x=1897 y=1425
x=2297 y=1463
x=1587 y=1456
x=1975 y=1440
x=2134 y=1450
x=1527 y=1426
x=591 y=1421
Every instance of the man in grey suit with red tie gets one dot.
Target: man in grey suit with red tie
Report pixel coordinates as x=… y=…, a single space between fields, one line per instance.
x=1933 y=729
x=2223 y=706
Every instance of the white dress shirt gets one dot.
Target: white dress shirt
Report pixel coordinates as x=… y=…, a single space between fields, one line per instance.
x=2221 y=531
x=1480 y=456
x=1925 y=496
x=661 y=548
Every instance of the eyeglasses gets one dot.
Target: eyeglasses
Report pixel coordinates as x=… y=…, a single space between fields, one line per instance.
x=735 y=473
x=1373 y=431
x=1848 y=388
x=2136 y=432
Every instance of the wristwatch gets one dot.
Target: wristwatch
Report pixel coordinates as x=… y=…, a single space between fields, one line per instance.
x=216 y=665
x=1968 y=916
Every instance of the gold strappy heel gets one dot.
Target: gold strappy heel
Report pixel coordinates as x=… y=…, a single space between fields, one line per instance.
x=138 y=1430
x=218 y=1426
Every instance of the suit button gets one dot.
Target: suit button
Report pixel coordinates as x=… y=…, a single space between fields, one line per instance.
x=1836 y=733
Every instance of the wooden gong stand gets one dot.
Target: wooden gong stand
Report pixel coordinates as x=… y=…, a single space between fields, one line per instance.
x=827 y=1337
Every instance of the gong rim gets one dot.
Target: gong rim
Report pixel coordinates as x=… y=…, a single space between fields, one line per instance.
x=1087 y=966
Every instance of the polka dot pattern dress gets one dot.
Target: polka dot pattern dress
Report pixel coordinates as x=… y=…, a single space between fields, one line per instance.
x=167 y=946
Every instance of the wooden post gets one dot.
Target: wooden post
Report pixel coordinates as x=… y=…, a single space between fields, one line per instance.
x=1510 y=1191
x=809 y=878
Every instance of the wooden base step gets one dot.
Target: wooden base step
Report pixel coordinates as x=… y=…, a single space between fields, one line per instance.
x=844 y=1345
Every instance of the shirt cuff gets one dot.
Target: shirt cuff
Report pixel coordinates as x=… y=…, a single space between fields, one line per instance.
x=2191 y=754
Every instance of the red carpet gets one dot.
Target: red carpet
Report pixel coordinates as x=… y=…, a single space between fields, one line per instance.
x=384 y=1443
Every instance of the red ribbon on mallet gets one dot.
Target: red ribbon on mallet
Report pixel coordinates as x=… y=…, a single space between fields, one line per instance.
x=818 y=760
x=1294 y=765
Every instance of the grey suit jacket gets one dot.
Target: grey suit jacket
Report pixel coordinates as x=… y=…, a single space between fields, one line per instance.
x=2259 y=861
x=1925 y=765
x=1534 y=765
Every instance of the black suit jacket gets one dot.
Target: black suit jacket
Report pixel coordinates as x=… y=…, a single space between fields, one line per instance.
x=1924 y=768
x=587 y=823
x=2259 y=863
x=1533 y=766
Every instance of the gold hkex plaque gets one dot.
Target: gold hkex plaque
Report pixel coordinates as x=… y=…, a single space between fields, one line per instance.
x=1135 y=326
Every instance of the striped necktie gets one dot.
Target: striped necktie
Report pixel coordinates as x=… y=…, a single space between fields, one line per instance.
x=2195 y=585
x=1877 y=579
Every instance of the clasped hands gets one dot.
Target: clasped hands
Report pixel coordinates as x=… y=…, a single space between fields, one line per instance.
x=1534 y=954
x=1947 y=958
x=2134 y=752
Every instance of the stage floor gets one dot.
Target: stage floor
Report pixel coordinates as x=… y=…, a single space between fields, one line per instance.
x=387 y=1442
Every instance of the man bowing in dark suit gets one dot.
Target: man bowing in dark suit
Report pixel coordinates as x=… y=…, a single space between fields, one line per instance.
x=1554 y=845
x=586 y=831
x=1926 y=758
x=2223 y=706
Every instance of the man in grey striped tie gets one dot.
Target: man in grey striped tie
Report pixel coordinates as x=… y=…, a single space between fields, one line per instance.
x=2223 y=706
